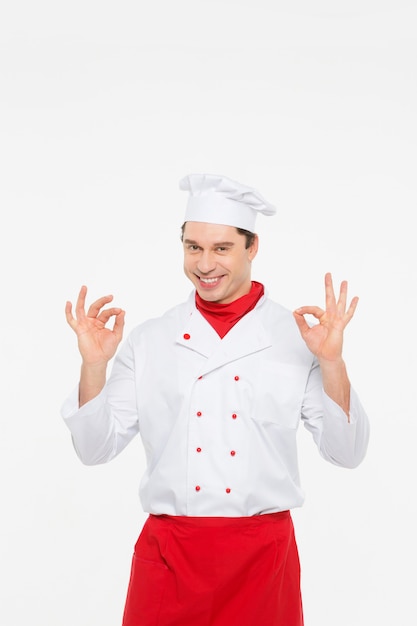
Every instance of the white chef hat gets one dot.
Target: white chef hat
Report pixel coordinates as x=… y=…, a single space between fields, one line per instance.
x=218 y=200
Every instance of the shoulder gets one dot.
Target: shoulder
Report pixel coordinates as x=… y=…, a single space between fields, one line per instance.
x=168 y=322
x=271 y=310
x=279 y=322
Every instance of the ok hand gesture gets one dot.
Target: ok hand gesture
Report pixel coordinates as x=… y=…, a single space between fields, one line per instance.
x=325 y=339
x=97 y=344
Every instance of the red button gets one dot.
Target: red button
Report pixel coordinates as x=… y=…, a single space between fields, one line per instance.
x=234 y=416
x=200 y=377
x=197 y=488
x=228 y=490
x=232 y=452
x=236 y=377
x=199 y=414
x=187 y=336
x=198 y=449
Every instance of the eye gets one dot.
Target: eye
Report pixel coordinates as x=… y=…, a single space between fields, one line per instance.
x=193 y=247
x=222 y=249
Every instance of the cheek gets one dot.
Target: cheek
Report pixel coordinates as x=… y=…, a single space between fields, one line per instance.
x=242 y=266
x=189 y=265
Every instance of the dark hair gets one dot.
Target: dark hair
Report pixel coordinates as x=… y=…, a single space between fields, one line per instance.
x=250 y=237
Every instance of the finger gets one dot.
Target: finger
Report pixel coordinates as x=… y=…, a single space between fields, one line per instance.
x=68 y=314
x=329 y=291
x=352 y=308
x=105 y=315
x=80 y=304
x=316 y=311
x=341 y=303
x=95 y=307
x=300 y=321
x=119 y=325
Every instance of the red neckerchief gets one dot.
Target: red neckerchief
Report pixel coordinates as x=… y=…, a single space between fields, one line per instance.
x=223 y=316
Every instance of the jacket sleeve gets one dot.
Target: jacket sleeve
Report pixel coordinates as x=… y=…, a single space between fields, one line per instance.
x=340 y=440
x=104 y=426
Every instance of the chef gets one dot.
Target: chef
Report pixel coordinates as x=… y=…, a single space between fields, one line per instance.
x=217 y=387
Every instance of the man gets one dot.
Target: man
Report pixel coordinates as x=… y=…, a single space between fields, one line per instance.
x=217 y=387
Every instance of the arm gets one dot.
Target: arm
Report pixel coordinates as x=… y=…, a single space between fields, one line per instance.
x=104 y=426
x=96 y=343
x=340 y=441
x=325 y=340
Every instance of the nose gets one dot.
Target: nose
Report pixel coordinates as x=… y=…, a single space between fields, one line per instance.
x=206 y=262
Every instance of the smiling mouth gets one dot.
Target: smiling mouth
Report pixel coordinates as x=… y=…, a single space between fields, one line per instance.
x=209 y=282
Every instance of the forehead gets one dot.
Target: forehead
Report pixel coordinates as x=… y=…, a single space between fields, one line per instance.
x=211 y=233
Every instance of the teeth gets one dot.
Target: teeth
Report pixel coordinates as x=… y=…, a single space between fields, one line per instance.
x=209 y=280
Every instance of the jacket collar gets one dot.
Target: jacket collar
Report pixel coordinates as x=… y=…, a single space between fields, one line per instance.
x=246 y=337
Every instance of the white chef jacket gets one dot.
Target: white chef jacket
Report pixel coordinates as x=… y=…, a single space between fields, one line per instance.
x=217 y=417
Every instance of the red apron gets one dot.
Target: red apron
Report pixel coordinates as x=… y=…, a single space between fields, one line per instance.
x=215 y=571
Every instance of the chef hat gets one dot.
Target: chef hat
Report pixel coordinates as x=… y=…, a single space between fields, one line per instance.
x=219 y=200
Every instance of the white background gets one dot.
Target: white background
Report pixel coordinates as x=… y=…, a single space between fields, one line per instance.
x=104 y=107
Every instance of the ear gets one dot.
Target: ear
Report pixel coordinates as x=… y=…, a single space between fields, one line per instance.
x=253 y=249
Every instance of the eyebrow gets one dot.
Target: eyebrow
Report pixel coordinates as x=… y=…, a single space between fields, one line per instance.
x=215 y=245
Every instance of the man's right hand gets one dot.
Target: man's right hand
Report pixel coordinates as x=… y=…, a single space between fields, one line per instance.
x=97 y=344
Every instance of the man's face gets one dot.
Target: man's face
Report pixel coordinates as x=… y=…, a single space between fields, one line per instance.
x=217 y=262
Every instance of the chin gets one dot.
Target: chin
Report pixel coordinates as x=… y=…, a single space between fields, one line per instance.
x=210 y=297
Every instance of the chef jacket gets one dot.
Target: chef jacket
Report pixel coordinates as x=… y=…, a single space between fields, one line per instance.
x=218 y=418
